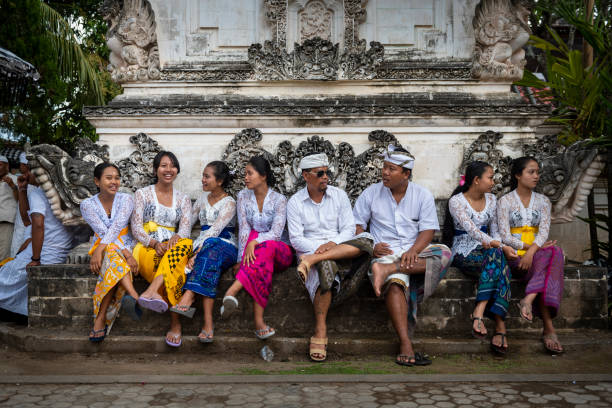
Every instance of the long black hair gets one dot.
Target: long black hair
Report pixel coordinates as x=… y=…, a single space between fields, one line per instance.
x=262 y=166
x=221 y=172
x=99 y=169
x=157 y=162
x=518 y=165
x=473 y=170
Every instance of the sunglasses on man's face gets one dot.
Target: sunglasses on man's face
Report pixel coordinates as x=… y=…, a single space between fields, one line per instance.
x=320 y=173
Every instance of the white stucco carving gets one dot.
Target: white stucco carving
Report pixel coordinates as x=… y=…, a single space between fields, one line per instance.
x=501 y=30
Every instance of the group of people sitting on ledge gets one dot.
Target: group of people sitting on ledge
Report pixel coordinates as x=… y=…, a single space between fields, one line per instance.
x=386 y=236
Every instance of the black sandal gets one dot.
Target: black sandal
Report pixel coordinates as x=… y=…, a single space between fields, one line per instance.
x=421 y=359
x=476 y=334
x=501 y=350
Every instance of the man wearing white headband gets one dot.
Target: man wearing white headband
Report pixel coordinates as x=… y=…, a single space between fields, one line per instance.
x=21 y=233
x=333 y=262
x=8 y=207
x=402 y=218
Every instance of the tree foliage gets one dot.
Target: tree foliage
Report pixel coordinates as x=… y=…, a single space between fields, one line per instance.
x=64 y=40
x=581 y=94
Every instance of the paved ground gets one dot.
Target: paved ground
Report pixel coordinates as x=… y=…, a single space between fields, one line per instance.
x=423 y=395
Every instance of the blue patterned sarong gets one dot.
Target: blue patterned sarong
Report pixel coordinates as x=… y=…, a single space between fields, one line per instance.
x=494 y=278
x=215 y=256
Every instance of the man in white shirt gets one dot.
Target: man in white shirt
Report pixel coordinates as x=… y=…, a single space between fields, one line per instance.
x=333 y=262
x=22 y=221
x=8 y=207
x=50 y=244
x=402 y=219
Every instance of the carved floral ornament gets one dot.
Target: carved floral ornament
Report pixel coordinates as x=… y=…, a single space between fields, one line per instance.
x=567 y=177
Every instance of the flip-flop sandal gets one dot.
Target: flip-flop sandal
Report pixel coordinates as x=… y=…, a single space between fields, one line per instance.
x=554 y=338
x=318 y=346
x=501 y=350
x=265 y=333
x=186 y=311
x=156 y=305
x=131 y=308
x=175 y=335
x=421 y=359
x=96 y=339
x=525 y=307
x=208 y=336
x=476 y=334
x=404 y=360
x=230 y=304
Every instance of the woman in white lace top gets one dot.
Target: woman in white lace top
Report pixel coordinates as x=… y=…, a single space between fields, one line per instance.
x=108 y=214
x=215 y=249
x=161 y=222
x=262 y=242
x=524 y=221
x=471 y=227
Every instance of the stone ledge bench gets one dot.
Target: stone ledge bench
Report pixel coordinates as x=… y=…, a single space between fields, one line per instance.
x=60 y=299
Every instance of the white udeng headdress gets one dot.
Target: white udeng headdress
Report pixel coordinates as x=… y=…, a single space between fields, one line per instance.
x=3 y=159
x=22 y=158
x=313 y=161
x=399 y=158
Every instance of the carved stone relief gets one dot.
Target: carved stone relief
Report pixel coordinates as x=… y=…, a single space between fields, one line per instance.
x=137 y=168
x=315 y=59
x=501 y=30
x=131 y=39
x=276 y=12
x=354 y=15
x=315 y=20
x=567 y=174
x=351 y=173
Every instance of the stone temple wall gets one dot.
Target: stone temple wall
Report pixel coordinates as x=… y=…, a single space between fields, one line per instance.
x=437 y=75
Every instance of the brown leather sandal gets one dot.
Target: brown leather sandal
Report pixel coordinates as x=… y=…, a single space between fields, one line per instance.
x=318 y=346
x=302 y=270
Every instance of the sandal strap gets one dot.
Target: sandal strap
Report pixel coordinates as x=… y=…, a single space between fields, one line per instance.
x=318 y=340
x=503 y=338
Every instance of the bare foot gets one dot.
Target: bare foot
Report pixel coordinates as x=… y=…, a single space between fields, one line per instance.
x=186 y=299
x=380 y=272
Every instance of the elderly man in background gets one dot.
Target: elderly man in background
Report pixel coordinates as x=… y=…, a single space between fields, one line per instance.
x=8 y=207
x=333 y=262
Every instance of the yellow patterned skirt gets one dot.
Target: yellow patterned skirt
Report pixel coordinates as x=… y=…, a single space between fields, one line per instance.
x=114 y=268
x=171 y=266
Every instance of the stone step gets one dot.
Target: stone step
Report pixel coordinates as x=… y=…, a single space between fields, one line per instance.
x=358 y=344
x=60 y=297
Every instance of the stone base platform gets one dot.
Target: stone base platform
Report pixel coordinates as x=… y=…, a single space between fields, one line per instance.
x=286 y=348
x=60 y=299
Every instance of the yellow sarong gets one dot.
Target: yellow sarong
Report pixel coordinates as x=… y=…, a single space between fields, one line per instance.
x=528 y=235
x=114 y=268
x=171 y=266
x=5 y=260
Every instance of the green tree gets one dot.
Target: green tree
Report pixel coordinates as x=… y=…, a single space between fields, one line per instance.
x=581 y=87
x=72 y=71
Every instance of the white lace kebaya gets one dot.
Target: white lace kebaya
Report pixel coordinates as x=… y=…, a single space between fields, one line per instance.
x=217 y=217
x=269 y=223
x=147 y=208
x=512 y=214
x=108 y=229
x=470 y=221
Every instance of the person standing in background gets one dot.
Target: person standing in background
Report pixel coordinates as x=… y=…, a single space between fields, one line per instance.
x=8 y=207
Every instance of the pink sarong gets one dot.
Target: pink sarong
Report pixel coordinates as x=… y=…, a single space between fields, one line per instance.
x=270 y=256
x=545 y=277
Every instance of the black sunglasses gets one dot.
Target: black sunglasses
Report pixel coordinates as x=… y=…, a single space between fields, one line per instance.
x=320 y=173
